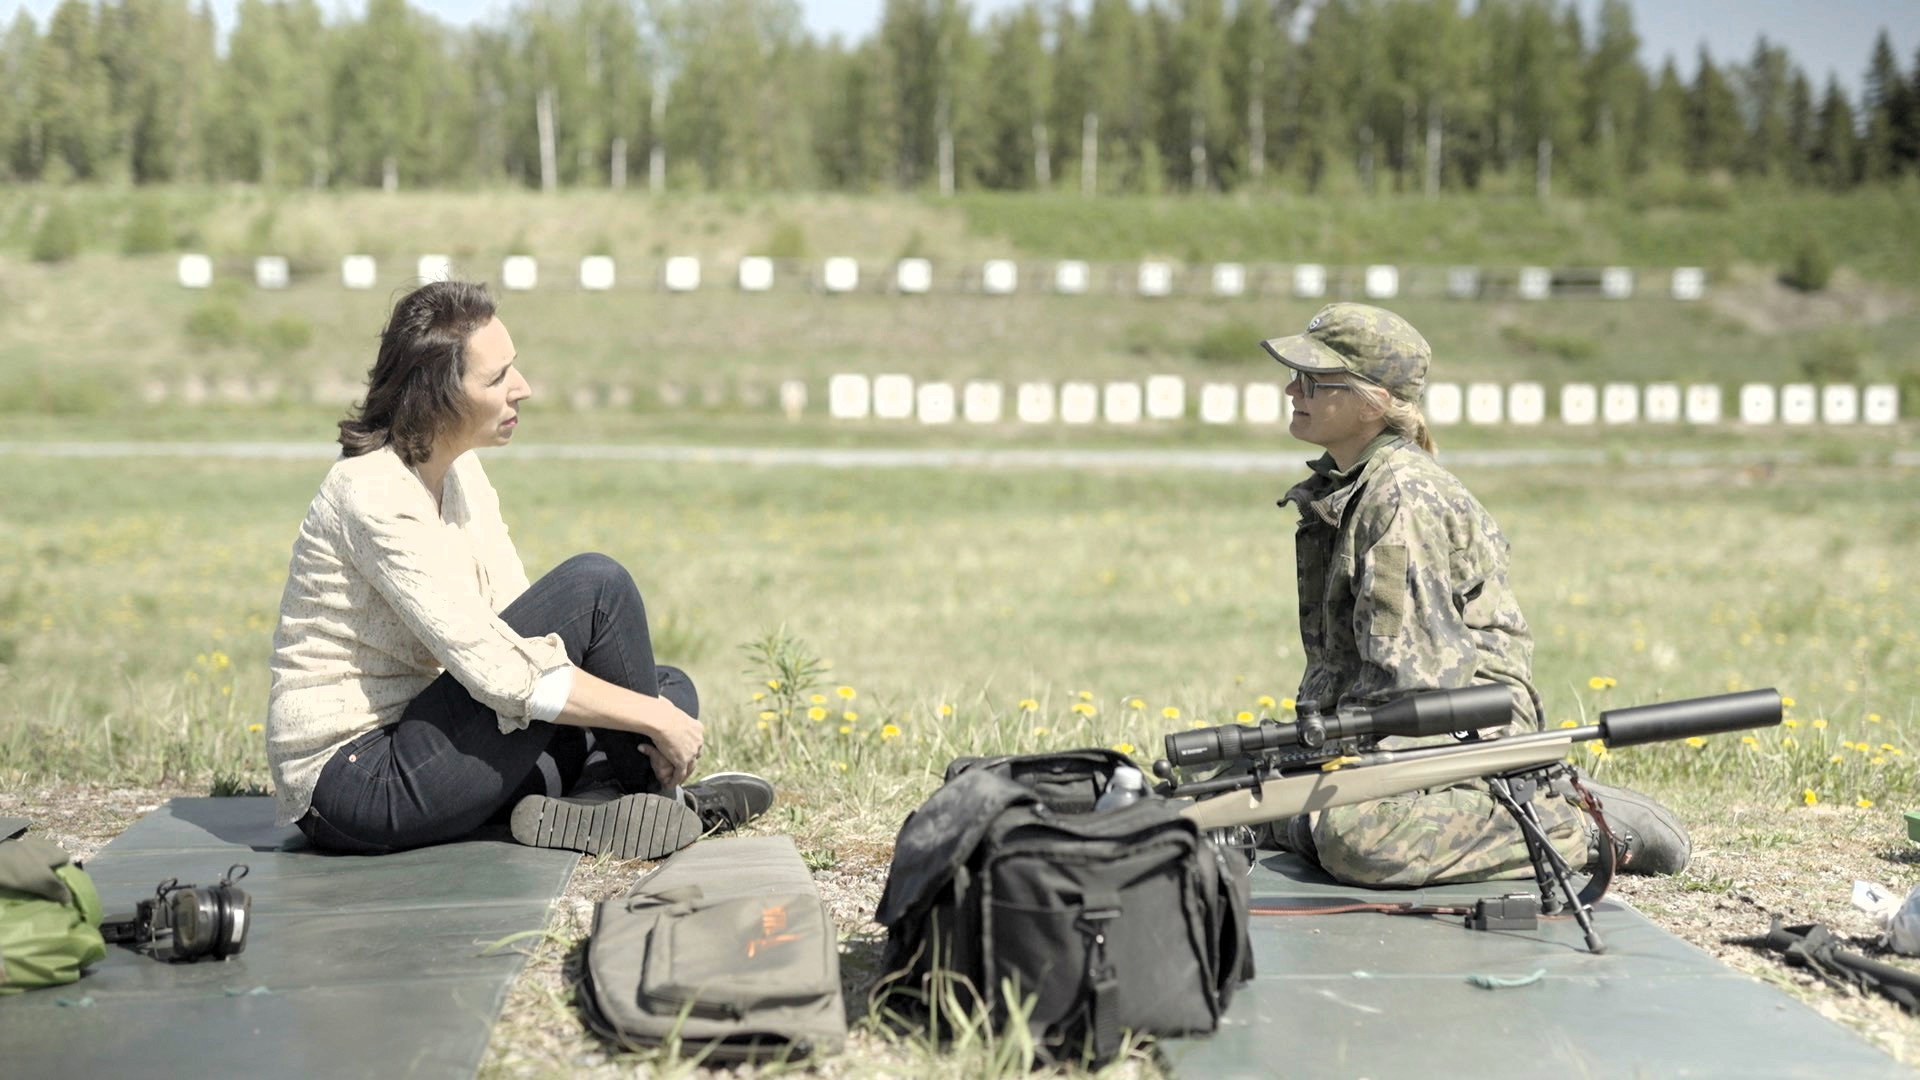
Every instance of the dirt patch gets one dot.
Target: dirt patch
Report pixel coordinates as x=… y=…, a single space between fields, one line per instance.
x=1756 y=300
x=1749 y=864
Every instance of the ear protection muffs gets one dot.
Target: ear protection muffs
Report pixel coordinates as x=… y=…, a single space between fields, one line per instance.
x=183 y=923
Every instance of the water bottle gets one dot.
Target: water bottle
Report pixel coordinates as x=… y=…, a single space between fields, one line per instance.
x=1124 y=789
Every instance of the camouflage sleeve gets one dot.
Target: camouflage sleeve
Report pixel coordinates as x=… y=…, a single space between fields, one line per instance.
x=1408 y=632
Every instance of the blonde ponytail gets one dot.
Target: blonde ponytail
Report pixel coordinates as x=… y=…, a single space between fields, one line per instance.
x=1403 y=418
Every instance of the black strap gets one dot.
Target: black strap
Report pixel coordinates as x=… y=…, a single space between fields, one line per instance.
x=1100 y=980
x=1815 y=948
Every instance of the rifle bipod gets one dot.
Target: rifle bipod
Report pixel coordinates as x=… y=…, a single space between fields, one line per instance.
x=1515 y=791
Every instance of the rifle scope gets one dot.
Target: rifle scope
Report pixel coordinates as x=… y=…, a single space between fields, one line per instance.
x=1437 y=712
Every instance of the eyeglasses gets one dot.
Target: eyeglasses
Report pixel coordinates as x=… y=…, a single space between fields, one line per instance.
x=1310 y=385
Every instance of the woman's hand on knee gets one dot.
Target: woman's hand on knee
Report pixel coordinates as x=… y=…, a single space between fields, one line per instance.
x=677 y=740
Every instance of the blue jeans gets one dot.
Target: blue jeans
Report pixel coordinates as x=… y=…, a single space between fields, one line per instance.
x=444 y=768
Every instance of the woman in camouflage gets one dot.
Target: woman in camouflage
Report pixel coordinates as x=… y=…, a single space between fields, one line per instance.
x=1403 y=589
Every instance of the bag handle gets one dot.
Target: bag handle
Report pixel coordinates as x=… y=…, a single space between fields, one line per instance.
x=1100 y=980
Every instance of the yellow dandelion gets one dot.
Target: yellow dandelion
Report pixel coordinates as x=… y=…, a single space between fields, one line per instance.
x=1891 y=749
x=1171 y=712
x=1810 y=797
x=1863 y=802
x=1876 y=760
x=841 y=765
x=1873 y=718
x=1286 y=703
x=1836 y=760
x=1696 y=741
x=1041 y=733
x=945 y=710
x=762 y=725
x=1748 y=740
x=1790 y=722
x=256 y=728
x=1789 y=743
x=1819 y=723
x=1265 y=701
x=1084 y=695
x=773 y=684
x=1028 y=705
x=1081 y=708
x=219 y=660
x=849 y=716
x=1569 y=723
x=846 y=729
x=759 y=695
x=1136 y=703
x=767 y=714
x=816 y=714
x=1243 y=717
x=846 y=692
x=817 y=699
x=1124 y=747
x=1196 y=723
x=1786 y=703
x=891 y=731
x=1601 y=682
x=1599 y=749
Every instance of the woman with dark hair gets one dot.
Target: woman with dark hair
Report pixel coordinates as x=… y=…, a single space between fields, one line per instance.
x=1403 y=588
x=421 y=686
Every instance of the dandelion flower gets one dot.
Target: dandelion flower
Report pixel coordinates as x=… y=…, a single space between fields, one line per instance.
x=817 y=699
x=846 y=692
x=1265 y=701
x=1569 y=723
x=1286 y=703
x=1599 y=749
x=1171 y=712
x=846 y=729
x=1819 y=723
x=1863 y=802
x=1809 y=797
x=1041 y=733
x=767 y=714
x=1136 y=703
x=1873 y=718
x=1028 y=705
x=1081 y=708
x=1601 y=682
x=759 y=695
x=1789 y=743
x=849 y=716
x=945 y=710
x=1889 y=748
x=1748 y=740
x=816 y=714
x=1196 y=723
x=1084 y=695
x=1790 y=722
x=1836 y=760
x=891 y=731
x=1243 y=717
x=841 y=765
x=762 y=725
x=1696 y=741
x=1876 y=760
x=1786 y=703
x=773 y=684
x=1124 y=747
x=256 y=728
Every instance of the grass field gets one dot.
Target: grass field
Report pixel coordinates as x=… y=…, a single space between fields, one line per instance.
x=974 y=611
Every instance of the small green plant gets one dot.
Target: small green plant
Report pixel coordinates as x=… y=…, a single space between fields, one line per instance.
x=58 y=237
x=1235 y=341
x=148 y=229
x=1838 y=355
x=1148 y=337
x=789 y=670
x=787 y=241
x=283 y=335
x=228 y=785
x=1570 y=347
x=216 y=322
x=1810 y=266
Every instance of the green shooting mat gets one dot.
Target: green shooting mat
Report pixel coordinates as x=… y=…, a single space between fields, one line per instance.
x=354 y=966
x=1385 y=996
x=11 y=827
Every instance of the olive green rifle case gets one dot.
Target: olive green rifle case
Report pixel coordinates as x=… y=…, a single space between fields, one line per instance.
x=726 y=947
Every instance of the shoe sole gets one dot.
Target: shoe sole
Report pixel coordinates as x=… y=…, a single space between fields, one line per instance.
x=630 y=827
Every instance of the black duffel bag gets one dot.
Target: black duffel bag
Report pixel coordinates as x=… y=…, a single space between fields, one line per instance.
x=1008 y=889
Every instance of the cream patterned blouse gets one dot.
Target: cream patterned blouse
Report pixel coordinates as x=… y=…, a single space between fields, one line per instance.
x=384 y=592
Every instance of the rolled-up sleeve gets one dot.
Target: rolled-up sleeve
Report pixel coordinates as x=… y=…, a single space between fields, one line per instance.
x=418 y=567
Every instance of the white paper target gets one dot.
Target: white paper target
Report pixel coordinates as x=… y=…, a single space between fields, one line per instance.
x=1229 y=279
x=1122 y=404
x=1445 y=403
x=1616 y=283
x=840 y=274
x=1663 y=403
x=980 y=402
x=1219 y=403
x=1703 y=404
x=1840 y=404
x=1166 y=397
x=520 y=272
x=1383 y=282
x=1463 y=282
x=270 y=272
x=1880 y=404
x=849 y=397
x=1579 y=403
x=1155 y=279
x=1262 y=403
x=913 y=276
x=432 y=268
x=358 y=272
x=999 y=277
x=1689 y=283
x=1620 y=403
x=1309 y=280
x=1484 y=401
x=936 y=403
x=1070 y=277
x=1535 y=282
x=1799 y=404
x=1033 y=403
x=682 y=273
x=195 y=271
x=1079 y=402
x=596 y=273
x=893 y=396
x=756 y=273
x=1757 y=404
x=1526 y=403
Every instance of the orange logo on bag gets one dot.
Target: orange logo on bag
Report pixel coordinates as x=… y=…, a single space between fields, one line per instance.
x=773 y=926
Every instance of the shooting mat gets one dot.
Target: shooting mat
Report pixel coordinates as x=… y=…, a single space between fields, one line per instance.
x=1386 y=996
x=355 y=966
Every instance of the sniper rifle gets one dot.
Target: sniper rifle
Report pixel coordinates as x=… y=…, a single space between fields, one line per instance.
x=1277 y=769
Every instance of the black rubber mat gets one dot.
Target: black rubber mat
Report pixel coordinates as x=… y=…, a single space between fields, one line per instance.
x=1386 y=996
x=354 y=966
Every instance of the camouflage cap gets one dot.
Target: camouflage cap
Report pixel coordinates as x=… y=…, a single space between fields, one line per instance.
x=1362 y=340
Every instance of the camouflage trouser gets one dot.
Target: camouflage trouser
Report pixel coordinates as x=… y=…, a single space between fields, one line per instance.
x=1439 y=836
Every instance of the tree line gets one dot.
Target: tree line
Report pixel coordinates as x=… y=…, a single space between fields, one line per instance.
x=1095 y=96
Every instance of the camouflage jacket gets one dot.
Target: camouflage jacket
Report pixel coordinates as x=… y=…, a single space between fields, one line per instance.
x=1403 y=585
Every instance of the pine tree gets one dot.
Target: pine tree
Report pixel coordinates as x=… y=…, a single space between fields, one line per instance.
x=1835 y=150
x=1884 y=101
x=1714 y=129
x=72 y=102
x=19 y=139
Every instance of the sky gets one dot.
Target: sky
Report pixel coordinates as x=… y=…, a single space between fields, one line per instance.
x=1822 y=36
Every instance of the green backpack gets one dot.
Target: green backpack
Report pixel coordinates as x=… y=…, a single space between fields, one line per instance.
x=49 y=916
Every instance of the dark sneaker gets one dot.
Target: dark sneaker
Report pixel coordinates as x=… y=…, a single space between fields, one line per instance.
x=1300 y=838
x=728 y=800
x=1646 y=835
x=625 y=827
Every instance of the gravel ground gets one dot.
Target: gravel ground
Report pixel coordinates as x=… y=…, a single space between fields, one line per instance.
x=1749 y=864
